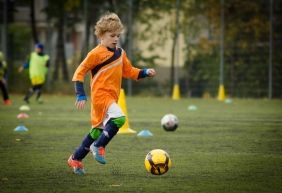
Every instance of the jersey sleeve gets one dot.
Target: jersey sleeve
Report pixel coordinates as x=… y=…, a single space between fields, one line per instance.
x=87 y=64
x=128 y=71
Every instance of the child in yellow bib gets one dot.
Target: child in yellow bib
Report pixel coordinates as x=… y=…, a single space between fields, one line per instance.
x=37 y=64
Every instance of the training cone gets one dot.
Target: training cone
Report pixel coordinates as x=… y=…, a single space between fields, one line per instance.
x=176 y=92
x=24 y=108
x=122 y=103
x=21 y=128
x=192 y=108
x=228 y=101
x=221 y=93
x=145 y=133
x=22 y=116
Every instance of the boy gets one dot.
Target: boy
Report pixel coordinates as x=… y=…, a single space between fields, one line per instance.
x=38 y=64
x=108 y=64
x=3 y=82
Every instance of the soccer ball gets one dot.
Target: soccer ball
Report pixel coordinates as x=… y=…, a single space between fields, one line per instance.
x=157 y=162
x=169 y=122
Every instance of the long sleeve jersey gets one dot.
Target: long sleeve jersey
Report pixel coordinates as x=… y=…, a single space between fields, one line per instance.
x=107 y=68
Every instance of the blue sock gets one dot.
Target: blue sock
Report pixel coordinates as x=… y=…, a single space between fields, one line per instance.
x=83 y=150
x=109 y=132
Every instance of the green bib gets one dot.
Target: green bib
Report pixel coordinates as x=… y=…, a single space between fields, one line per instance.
x=37 y=68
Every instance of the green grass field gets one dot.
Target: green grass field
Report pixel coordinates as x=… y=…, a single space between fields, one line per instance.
x=219 y=147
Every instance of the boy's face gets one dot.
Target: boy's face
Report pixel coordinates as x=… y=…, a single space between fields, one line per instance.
x=110 y=39
x=38 y=50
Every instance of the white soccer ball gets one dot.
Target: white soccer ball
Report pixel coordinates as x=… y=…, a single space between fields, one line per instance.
x=169 y=122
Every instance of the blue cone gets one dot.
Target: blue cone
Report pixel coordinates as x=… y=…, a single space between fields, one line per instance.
x=21 y=128
x=145 y=133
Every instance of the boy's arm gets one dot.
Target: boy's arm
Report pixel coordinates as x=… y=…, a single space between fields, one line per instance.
x=134 y=73
x=78 y=79
x=146 y=72
x=80 y=95
x=47 y=63
x=25 y=65
x=87 y=64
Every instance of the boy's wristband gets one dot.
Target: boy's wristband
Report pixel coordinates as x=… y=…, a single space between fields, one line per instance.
x=81 y=98
x=79 y=91
x=26 y=65
x=143 y=73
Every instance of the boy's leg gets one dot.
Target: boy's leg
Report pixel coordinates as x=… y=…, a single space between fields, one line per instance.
x=74 y=160
x=29 y=94
x=38 y=90
x=83 y=150
x=4 y=90
x=77 y=166
x=108 y=133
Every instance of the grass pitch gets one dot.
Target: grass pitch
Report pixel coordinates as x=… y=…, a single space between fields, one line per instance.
x=219 y=147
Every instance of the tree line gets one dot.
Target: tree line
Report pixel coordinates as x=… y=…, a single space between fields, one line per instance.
x=246 y=39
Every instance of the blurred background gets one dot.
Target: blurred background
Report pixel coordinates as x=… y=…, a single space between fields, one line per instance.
x=198 y=45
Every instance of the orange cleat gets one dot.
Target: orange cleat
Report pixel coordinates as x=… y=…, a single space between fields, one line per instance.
x=76 y=165
x=7 y=102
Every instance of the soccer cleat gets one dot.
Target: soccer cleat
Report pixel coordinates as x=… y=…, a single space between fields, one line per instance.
x=76 y=165
x=98 y=153
x=7 y=102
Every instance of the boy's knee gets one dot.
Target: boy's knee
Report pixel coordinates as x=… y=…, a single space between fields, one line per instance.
x=119 y=121
x=95 y=133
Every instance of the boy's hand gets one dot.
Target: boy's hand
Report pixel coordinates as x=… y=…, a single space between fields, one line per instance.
x=80 y=101
x=80 y=95
x=151 y=72
x=20 y=69
x=80 y=104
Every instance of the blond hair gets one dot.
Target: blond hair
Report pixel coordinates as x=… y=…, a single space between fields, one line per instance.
x=109 y=22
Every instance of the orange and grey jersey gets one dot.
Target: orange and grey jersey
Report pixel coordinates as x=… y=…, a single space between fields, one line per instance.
x=107 y=68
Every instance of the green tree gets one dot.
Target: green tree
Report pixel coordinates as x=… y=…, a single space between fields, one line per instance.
x=246 y=35
x=60 y=11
